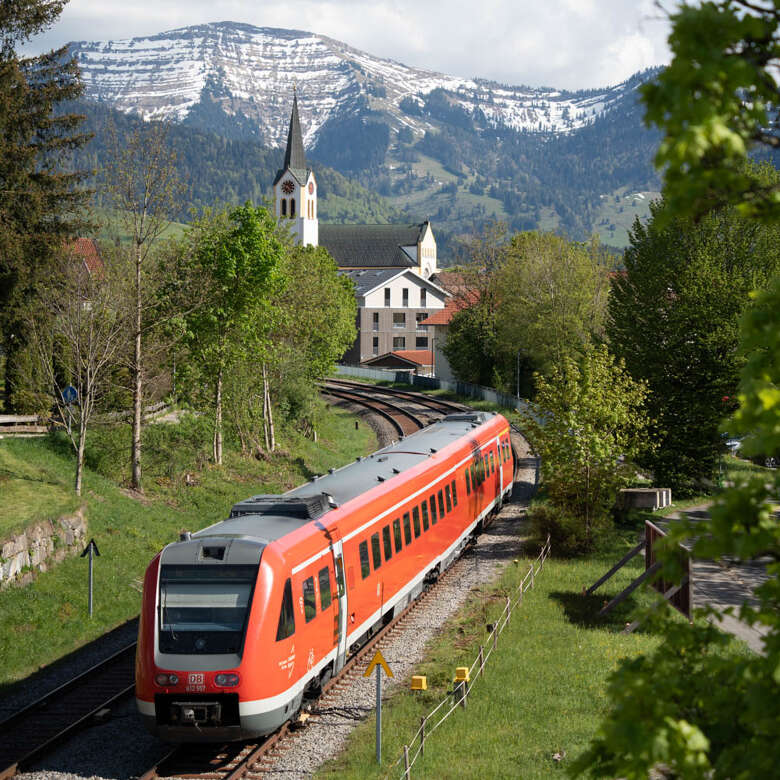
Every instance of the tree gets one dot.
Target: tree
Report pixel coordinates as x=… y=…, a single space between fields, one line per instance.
x=236 y=255
x=674 y=318
x=80 y=342
x=553 y=297
x=666 y=712
x=588 y=424
x=40 y=201
x=145 y=189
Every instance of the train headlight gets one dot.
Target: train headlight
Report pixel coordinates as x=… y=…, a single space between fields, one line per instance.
x=226 y=680
x=164 y=680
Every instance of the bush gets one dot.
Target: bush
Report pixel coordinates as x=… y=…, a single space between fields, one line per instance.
x=567 y=532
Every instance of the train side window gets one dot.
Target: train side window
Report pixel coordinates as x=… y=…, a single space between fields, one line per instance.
x=375 y=551
x=500 y=452
x=397 y=534
x=492 y=464
x=432 y=502
x=474 y=476
x=340 y=576
x=424 y=507
x=448 y=497
x=365 y=566
x=325 y=597
x=407 y=529
x=309 y=599
x=454 y=493
x=286 y=616
x=468 y=481
x=485 y=469
x=441 y=504
x=387 y=542
x=416 y=521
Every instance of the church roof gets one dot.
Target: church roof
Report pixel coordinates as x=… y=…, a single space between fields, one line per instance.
x=371 y=246
x=294 y=156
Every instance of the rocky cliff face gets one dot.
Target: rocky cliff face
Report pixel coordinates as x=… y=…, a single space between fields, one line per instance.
x=227 y=71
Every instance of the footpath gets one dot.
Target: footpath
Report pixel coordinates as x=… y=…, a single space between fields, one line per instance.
x=726 y=583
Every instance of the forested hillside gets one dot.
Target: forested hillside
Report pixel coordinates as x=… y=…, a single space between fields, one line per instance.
x=218 y=169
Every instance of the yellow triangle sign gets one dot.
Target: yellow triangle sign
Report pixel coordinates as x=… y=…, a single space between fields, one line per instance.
x=378 y=659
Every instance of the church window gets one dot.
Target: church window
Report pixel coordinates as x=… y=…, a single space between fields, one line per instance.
x=423 y=297
x=284 y=207
x=292 y=207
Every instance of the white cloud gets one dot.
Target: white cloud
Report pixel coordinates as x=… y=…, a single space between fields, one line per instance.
x=570 y=44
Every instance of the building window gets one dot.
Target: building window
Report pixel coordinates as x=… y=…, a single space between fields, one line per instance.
x=399 y=342
x=376 y=320
x=418 y=318
x=423 y=297
x=375 y=345
x=405 y=297
x=387 y=296
x=399 y=319
x=421 y=342
x=292 y=207
x=284 y=207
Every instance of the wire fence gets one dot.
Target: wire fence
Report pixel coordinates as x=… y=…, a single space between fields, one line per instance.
x=462 y=689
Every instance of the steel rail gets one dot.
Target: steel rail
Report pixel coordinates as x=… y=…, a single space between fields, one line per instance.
x=381 y=408
x=419 y=398
x=36 y=727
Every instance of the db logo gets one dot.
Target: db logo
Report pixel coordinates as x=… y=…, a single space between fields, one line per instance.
x=195 y=679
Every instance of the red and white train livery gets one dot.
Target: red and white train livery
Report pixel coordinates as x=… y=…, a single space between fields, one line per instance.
x=241 y=618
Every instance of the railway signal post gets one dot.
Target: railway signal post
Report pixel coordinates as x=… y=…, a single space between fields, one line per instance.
x=379 y=662
x=92 y=549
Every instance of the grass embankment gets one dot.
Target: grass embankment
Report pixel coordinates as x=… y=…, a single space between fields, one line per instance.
x=543 y=692
x=48 y=618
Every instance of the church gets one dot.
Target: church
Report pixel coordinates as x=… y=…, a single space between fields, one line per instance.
x=391 y=266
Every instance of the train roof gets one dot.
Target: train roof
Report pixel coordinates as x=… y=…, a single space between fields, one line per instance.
x=266 y=518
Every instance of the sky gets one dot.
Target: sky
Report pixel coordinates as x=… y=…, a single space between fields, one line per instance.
x=569 y=44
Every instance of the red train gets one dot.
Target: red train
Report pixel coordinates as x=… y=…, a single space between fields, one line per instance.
x=243 y=618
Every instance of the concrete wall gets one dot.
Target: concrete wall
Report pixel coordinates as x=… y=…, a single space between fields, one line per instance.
x=39 y=546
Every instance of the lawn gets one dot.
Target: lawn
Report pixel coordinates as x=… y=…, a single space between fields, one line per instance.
x=543 y=692
x=48 y=618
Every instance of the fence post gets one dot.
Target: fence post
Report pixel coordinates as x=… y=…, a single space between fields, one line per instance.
x=406 y=762
x=495 y=636
x=532 y=575
x=481 y=660
x=464 y=689
x=508 y=609
x=422 y=735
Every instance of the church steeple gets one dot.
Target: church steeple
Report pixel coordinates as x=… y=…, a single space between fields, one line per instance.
x=295 y=157
x=295 y=188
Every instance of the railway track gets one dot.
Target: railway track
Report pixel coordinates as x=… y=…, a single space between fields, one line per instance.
x=403 y=421
x=436 y=404
x=34 y=729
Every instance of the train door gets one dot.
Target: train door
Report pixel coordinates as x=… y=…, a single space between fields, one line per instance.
x=500 y=453
x=341 y=602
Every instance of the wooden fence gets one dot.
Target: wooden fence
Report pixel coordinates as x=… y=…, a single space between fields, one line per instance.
x=460 y=695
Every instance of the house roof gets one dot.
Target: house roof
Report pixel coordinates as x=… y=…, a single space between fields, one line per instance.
x=294 y=156
x=451 y=308
x=368 y=279
x=410 y=357
x=89 y=252
x=371 y=246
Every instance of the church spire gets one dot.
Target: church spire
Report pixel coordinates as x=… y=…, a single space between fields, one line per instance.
x=295 y=158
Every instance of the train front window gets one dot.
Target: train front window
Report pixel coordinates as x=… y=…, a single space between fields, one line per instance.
x=203 y=610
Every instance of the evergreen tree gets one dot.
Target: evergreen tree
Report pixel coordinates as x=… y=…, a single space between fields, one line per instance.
x=40 y=199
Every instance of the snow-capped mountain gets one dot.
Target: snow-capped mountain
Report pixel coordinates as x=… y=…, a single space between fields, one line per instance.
x=248 y=73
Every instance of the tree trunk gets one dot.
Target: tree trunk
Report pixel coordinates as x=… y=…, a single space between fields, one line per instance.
x=135 y=479
x=269 y=410
x=218 y=421
x=80 y=454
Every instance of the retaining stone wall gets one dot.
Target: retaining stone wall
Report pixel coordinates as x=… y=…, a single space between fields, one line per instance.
x=39 y=546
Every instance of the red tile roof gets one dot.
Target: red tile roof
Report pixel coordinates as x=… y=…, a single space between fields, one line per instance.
x=423 y=357
x=451 y=308
x=88 y=250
